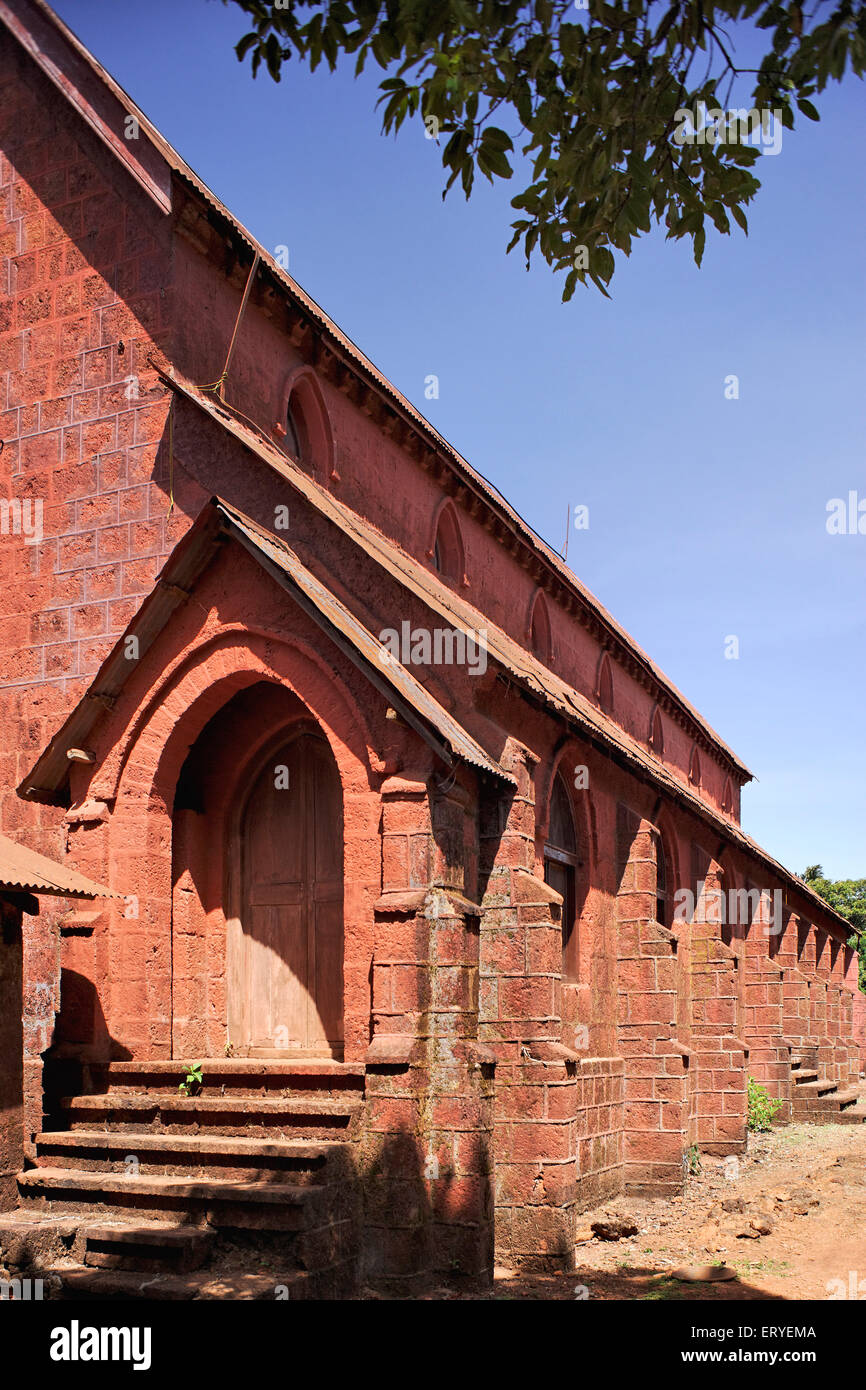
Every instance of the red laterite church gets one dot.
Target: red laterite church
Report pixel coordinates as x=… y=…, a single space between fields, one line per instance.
x=412 y=906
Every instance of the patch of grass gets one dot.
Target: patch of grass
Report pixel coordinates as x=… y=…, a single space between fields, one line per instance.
x=778 y=1267
x=664 y=1291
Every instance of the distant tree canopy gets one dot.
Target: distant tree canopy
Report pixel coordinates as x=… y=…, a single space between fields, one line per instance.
x=594 y=93
x=848 y=897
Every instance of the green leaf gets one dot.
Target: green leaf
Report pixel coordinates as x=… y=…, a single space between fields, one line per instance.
x=243 y=46
x=497 y=138
x=590 y=104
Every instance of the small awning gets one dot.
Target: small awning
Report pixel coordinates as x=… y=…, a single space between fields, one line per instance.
x=22 y=870
x=416 y=705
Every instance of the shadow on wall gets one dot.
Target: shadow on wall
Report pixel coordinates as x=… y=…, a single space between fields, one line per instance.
x=423 y=1221
x=81 y=1022
x=81 y=1035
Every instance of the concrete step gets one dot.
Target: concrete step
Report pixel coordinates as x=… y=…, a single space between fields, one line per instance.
x=241 y=1159
x=822 y=1102
x=155 y=1247
x=32 y=1241
x=850 y=1096
x=232 y=1076
x=219 y=1201
x=122 y=1253
x=266 y=1117
x=834 y=1100
x=814 y=1088
x=802 y=1075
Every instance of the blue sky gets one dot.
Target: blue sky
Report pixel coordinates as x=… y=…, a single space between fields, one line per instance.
x=707 y=516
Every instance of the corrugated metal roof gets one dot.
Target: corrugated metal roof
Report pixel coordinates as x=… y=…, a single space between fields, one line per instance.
x=13 y=12
x=24 y=871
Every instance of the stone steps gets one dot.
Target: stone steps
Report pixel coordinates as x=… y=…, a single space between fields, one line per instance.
x=265 y=1117
x=300 y=1161
x=821 y=1102
x=230 y=1076
x=219 y=1201
x=155 y=1247
x=141 y=1185
x=815 y=1088
x=44 y=1241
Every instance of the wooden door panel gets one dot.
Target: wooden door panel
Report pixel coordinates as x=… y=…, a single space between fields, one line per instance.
x=286 y=949
x=329 y=969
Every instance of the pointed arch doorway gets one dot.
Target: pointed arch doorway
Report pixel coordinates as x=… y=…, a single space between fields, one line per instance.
x=284 y=931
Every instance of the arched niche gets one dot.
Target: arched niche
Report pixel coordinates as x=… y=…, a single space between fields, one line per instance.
x=308 y=438
x=446 y=551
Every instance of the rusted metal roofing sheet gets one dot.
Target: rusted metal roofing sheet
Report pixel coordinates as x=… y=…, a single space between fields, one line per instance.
x=535 y=679
x=24 y=871
x=365 y=650
x=16 y=14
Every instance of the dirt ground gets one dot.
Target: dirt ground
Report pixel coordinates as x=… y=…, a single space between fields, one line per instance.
x=788 y=1218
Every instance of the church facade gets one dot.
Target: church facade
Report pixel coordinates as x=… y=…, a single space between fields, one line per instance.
x=422 y=860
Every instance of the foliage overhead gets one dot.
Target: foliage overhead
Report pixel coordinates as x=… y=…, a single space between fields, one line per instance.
x=848 y=897
x=590 y=96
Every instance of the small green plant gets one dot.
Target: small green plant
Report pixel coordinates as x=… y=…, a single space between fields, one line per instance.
x=761 y=1106
x=229 y=1049
x=193 y=1081
x=692 y=1160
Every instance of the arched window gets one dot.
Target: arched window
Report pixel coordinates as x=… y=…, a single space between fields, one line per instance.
x=695 y=768
x=657 y=734
x=297 y=439
x=663 y=912
x=539 y=630
x=447 y=553
x=604 y=684
x=728 y=798
x=560 y=871
x=306 y=432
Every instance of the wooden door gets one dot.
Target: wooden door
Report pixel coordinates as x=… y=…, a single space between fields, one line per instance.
x=285 y=947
